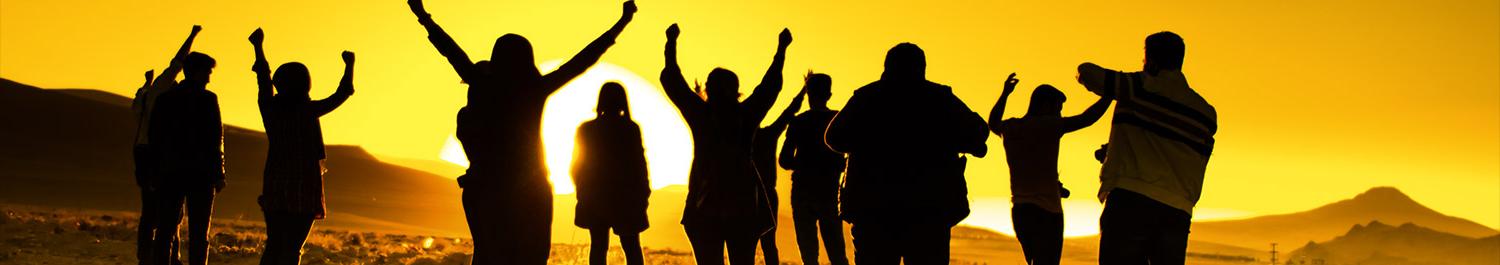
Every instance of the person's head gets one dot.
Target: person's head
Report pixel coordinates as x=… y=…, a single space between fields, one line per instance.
x=197 y=67
x=291 y=80
x=1046 y=100
x=819 y=89
x=512 y=57
x=1164 y=51
x=612 y=101
x=906 y=61
x=723 y=87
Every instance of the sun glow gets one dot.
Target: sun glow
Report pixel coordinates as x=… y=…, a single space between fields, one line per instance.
x=669 y=144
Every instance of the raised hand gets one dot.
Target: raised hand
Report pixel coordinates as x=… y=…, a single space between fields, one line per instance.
x=257 y=37
x=786 y=37
x=1010 y=84
x=629 y=9
x=348 y=57
x=673 y=31
x=196 y=29
x=149 y=74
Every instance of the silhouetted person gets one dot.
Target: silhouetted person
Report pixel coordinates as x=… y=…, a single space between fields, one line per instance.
x=507 y=198
x=292 y=192
x=1159 y=144
x=187 y=131
x=609 y=169
x=816 y=171
x=726 y=207
x=763 y=152
x=148 y=160
x=1031 y=144
x=905 y=137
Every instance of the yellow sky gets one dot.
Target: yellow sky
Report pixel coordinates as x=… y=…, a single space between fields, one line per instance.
x=1317 y=101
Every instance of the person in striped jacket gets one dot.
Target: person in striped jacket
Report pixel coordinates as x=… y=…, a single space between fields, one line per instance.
x=1159 y=145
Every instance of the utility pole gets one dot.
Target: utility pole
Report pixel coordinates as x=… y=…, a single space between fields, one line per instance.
x=1273 y=253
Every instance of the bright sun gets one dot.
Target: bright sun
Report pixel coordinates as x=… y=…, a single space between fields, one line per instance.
x=669 y=144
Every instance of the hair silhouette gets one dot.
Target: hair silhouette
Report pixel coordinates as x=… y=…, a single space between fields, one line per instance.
x=1164 y=51
x=506 y=196
x=609 y=170
x=905 y=186
x=292 y=193
x=727 y=204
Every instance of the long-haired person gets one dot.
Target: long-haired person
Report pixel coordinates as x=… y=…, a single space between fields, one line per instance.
x=506 y=196
x=292 y=193
x=727 y=206
x=609 y=169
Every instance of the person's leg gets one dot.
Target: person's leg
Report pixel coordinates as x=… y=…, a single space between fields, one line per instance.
x=599 y=246
x=741 y=249
x=1170 y=237
x=145 y=228
x=200 y=209
x=1023 y=218
x=1121 y=230
x=298 y=227
x=768 y=248
x=536 y=228
x=480 y=226
x=805 y=226
x=708 y=247
x=274 y=237
x=873 y=245
x=630 y=243
x=169 y=216
x=1053 y=240
x=833 y=234
x=928 y=243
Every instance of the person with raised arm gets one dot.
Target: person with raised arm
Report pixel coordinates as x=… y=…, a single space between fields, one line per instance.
x=763 y=151
x=506 y=196
x=905 y=138
x=148 y=160
x=1159 y=144
x=1031 y=144
x=292 y=192
x=816 y=172
x=727 y=205
x=186 y=135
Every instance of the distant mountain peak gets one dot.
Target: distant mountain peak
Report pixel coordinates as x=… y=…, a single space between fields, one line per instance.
x=1384 y=194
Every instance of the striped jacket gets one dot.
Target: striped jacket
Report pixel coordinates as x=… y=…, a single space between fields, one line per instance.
x=1161 y=138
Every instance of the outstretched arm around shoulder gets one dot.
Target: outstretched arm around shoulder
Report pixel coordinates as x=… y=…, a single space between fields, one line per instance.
x=1088 y=117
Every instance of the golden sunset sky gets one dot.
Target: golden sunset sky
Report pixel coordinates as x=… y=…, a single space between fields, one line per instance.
x=1317 y=100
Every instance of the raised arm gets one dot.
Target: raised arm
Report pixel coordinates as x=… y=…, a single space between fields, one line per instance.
x=1104 y=82
x=137 y=104
x=672 y=82
x=262 y=68
x=175 y=67
x=444 y=43
x=789 y=147
x=346 y=89
x=1088 y=117
x=591 y=53
x=997 y=114
x=765 y=93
